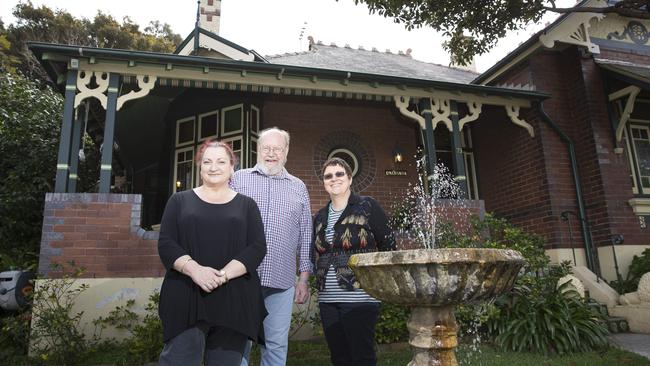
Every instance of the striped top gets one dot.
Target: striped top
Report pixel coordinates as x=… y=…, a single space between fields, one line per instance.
x=286 y=212
x=333 y=292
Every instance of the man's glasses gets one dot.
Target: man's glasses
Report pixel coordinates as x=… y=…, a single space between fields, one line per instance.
x=329 y=176
x=268 y=149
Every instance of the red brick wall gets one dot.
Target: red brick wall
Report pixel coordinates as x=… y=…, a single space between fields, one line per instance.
x=379 y=126
x=99 y=232
x=578 y=104
x=529 y=180
x=511 y=173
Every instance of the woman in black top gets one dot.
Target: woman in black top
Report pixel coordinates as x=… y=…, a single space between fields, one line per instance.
x=348 y=224
x=211 y=243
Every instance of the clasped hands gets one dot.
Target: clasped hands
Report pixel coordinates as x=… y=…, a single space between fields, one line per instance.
x=208 y=278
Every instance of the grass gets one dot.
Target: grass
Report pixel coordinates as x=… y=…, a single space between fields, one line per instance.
x=317 y=354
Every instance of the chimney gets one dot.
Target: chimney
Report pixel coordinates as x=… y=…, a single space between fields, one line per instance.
x=210 y=15
x=471 y=66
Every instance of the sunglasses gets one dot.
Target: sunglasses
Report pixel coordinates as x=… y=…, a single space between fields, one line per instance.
x=329 y=176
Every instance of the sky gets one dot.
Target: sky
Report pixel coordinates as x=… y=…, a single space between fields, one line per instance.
x=274 y=26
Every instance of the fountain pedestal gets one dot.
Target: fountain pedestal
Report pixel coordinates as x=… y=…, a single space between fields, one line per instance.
x=432 y=282
x=432 y=336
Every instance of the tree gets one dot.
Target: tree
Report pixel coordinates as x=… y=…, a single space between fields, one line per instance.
x=43 y=24
x=29 y=132
x=473 y=27
x=7 y=62
x=31 y=114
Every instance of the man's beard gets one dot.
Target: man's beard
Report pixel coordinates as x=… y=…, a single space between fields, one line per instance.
x=271 y=171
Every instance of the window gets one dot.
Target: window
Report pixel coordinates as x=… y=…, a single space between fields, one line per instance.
x=444 y=155
x=348 y=156
x=255 y=119
x=639 y=156
x=253 y=151
x=208 y=125
x=183 y=168
x=233 y=120
x=184 y=131
x=227 y=124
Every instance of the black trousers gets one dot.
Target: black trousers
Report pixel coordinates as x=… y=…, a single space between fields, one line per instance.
x=350 y=332
x=203 y=345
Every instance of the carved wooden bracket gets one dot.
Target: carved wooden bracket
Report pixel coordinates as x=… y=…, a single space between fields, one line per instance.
x=441 y=110
x=145 y=83
x=568 y=32
x=402 y=103
x=631 y=93
x=84 y=78
x=513 y=113
x=474 y=109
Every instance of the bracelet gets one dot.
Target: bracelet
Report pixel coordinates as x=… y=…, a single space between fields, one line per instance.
x=184 y=264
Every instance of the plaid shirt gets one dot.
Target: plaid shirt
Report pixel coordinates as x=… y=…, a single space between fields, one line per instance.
x=286 y=212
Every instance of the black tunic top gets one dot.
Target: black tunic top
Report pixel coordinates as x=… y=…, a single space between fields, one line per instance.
x=213 y=235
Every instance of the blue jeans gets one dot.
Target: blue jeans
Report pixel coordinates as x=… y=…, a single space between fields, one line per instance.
x=279 y=305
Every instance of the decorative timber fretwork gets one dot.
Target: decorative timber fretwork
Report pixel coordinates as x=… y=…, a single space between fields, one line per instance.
x=575 y=31
x=402 y=103
x=88 y=89
x=84 y=82
x=441 y=110
x=513 y=113
x=631 y=93
x=145 y=82
x=636 y=31
x=474 y=110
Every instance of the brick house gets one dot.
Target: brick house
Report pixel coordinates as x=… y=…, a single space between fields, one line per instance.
x=555 y=130
x=595 y=69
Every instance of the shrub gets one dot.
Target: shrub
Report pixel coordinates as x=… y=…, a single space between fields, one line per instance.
x=30 y=115
x=14 y=337
x=146 y=335
x=498 y=233
x=638 y=267
x=391 y=325
x=56 y=337
x=538 y=315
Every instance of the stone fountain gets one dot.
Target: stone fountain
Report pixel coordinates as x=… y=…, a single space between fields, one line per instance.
x=432 y=282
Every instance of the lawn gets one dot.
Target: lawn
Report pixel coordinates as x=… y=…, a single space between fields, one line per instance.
x=316 y=354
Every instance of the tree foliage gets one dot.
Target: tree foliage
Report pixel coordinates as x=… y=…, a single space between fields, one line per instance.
x=29 y=132
x=473 y=27
x=43 y=24
x=31 y=113
x=7 y=62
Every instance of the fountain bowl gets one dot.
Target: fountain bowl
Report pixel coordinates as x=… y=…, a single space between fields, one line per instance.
x=432 y=282
x=437 y=277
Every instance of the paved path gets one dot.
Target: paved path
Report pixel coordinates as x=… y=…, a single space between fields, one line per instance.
x=633 y=342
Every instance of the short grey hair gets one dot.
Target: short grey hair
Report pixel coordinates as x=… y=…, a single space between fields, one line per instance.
x=271 y=130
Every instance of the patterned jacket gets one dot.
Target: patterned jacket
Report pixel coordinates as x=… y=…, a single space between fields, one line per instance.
x=362 y=227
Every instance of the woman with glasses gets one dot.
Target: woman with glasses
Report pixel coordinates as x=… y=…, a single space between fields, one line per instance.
x=347 y=225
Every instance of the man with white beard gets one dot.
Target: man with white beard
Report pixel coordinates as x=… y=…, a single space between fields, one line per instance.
x=286 y=212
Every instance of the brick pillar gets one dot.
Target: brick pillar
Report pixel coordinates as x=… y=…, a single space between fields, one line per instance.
x=99 y=232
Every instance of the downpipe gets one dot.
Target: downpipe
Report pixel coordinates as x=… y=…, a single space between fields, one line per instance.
x=582 y=217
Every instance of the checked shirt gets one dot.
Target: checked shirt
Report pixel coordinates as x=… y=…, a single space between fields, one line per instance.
x=286 y=212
